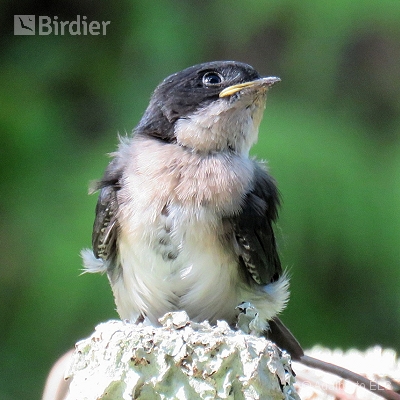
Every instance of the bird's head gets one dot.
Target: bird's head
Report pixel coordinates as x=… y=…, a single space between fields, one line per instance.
x=211 y=107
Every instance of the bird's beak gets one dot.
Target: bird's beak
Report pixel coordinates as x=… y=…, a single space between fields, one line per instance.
x=257 y=84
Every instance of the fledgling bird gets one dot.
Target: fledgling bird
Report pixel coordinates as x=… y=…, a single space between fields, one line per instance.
x=184 y=219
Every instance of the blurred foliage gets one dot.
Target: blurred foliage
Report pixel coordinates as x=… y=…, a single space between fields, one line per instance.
x=331 y=133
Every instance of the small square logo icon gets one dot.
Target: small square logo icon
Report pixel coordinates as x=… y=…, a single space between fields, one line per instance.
x=24 y=24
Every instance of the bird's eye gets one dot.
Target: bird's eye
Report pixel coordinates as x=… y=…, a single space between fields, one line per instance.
x=212 y=79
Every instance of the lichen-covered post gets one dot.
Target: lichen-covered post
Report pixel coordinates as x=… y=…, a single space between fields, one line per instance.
x=179 y=360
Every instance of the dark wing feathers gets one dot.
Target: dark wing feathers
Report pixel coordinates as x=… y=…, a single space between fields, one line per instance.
x=105 y=224
x=254 y=230
x=105 y=227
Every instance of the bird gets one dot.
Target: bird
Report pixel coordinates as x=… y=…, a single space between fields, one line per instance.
x=185 y=217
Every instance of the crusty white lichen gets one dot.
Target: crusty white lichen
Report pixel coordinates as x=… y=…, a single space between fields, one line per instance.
x=179 y=360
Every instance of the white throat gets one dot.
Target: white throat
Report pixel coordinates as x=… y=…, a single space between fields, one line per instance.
x=222 y=126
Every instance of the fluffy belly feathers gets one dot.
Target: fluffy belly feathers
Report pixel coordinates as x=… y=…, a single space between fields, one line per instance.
x=178 y=263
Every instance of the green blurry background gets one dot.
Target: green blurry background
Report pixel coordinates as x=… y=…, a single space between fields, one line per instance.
x=331 y=133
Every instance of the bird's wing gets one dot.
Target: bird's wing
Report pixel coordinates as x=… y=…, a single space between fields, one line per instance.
x=254 y=232
x=258 y=254
x=105 y=227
